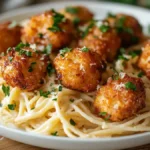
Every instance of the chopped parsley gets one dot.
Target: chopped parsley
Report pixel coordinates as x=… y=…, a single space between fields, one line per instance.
x=72 y=122
x=48 y=49
x=30 y=69
x=84 y=49
x=135 y=53
x=40 y=35
x=11 y=106
x=140 y=74
x=60 y=88
x=50 y=69
x=104 y=28
x=64 y=51
x=9 y=49
x=54 y=99
x=103 y=113
x=72 y=10
x=111 y=15
x=6 y=90
x=54 y=29
x=122 y=57
x=71 y=100
x=130 y=85
x=12 y=24
x=21 y=45
x=54 y=133
x=32 y=108
x=76 y=21
x=10 y=58
x=44 y=94
x=24 y=52
x=115 y=76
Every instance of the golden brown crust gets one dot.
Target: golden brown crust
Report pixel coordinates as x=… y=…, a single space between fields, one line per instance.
x=39 y=24
x=81 y=12
x=23 y=71
x=144 y=61
x=131 y=24
x=117 y=102
x=9 y=36
x=105 y=44
x=79 y=70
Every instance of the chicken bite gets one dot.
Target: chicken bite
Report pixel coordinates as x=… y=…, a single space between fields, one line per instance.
x=144 y=61
x=9 y=35
x=101 y=39
x=77 y=14
x=120 y=98
x=47 y=28
x=78 y=69
x=24 y=68
x=128 y=28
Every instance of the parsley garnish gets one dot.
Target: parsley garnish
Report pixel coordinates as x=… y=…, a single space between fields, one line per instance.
x=6 y=90
x=76 y=21
x=111 y=15
x=140 y=74
x=71 y=100
x=60 y=88
x=64 y=51
x=54 y=99
x=21 y=45
x=40 y=35
x=104 y=28
x=48 y=49
x=130 y=85
x=27 y=53
x=12 y=106
x=122 y=57
x=50 y=69
x=72 y=122
x=72 y=10
x=54 y=133
x=44 y=94
x=10 y=59
x=115 y=76
x=135 y=53
x=85 y=49
x=54 y=29
x=103 y=113
x=31 y=67
x=9 y=49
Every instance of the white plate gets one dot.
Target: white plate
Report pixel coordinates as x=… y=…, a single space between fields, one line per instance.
x=100 y=9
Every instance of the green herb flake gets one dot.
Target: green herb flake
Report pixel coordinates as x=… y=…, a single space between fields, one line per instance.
x=84 y=49
x=54 y=133
x=30 y=69
x=72 y=122
x=21 y=45
x=9 y=49
x=104 y=28
x=6 y=90
x=103 y=113
x=12 y=24
x=54 y=99
x=111 y=15
x=135 y=53
x=60 y=88
x=141 y=74
x=72 y=10
x=11 y=106
x=130 y=86
x=50 y=69
x=76 y=21
x=40 y=35
x=71 y=100
x=122 y=57
x=10 y=59
x=48 y=49
x=54 y=29
x=64 y=51
x=44 y=94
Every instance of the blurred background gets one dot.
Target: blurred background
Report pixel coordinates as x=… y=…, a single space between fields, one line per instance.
x=6 y=5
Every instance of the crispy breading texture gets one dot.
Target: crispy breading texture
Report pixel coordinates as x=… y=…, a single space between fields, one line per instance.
x=79 y=70
x=9 y=36
x=105 y=44
x=128 y=27
x=116 y=101
x=77 y=14
x=44 y=29
x=144 y=61
x=22 y=71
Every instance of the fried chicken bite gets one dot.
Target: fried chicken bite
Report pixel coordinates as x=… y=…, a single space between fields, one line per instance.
x=77 y=14
x=24 y=68
x=47 y=28
x=78 y=69
x=128 y=28
x=120 y=98
x=144 y=61
x=101 y=39
x=9 y=35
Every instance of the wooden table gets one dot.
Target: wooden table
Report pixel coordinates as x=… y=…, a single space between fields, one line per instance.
x=7 y=144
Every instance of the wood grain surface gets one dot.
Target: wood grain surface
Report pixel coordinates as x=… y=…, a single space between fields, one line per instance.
x=7 y=144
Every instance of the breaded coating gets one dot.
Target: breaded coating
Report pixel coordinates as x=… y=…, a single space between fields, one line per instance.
x=105 y=43
x=77 y=14
x=78 y=69
x=128 y=27
x=144 y=61
x=120 y=98
x=48 y=28
x=9 y=36
x=24 y=68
